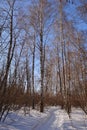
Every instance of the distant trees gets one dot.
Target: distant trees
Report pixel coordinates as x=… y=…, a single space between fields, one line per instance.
x=67 y=44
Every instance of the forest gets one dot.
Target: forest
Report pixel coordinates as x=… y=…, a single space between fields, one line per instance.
x=43 y=55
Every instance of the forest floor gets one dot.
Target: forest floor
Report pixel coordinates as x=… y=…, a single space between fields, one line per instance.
x=52 y=119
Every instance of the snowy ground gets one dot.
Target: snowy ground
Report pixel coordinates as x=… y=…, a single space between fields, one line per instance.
x=52 y=119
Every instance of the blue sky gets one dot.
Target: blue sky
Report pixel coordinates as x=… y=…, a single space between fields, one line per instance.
x=70 y=11
x=72 y=14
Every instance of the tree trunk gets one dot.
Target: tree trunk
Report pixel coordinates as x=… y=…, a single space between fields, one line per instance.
x=33 y=67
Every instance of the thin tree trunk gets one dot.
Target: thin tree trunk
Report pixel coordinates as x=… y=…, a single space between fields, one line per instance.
x=41 y=56
x=62 y=47
x=33 y=67
x=42 y=73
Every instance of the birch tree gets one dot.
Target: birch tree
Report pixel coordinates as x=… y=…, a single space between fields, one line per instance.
x=40 y=12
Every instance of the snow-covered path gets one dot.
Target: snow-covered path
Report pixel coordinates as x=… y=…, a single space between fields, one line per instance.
x=59 y=120
x=47 y=122
x=52 y=119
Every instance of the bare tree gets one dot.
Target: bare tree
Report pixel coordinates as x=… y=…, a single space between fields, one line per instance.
x=39 y=17
x=10 y=53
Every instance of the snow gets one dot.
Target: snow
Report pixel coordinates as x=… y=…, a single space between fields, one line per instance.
x=52 y=119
